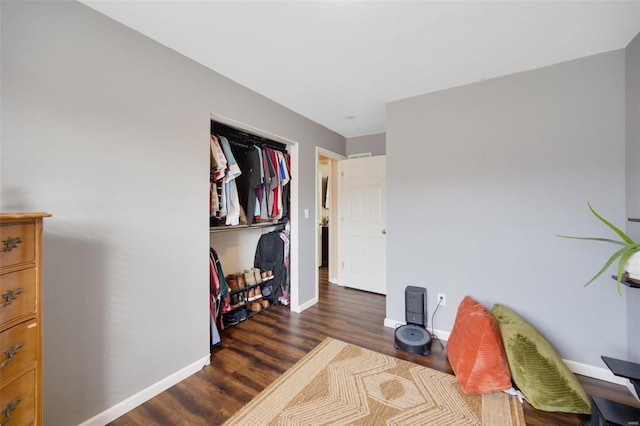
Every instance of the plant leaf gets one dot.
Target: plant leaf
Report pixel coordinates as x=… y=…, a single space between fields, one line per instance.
x=606 y=240
x=612 y=226
x=609 y=263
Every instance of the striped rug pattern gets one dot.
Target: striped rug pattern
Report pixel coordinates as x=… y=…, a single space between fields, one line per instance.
x=342 y=384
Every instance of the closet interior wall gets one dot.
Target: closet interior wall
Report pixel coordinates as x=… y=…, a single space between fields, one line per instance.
x=237 y=249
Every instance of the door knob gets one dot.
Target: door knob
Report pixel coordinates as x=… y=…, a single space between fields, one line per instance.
x=384 y=232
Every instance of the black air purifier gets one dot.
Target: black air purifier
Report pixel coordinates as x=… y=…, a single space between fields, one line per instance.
x=413 y=337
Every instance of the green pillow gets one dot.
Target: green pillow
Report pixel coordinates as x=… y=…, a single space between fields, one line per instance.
x=536 y=368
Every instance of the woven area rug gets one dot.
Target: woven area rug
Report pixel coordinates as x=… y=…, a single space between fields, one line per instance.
x=338 y=384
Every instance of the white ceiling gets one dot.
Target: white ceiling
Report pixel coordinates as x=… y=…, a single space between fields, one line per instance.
x=333 y=60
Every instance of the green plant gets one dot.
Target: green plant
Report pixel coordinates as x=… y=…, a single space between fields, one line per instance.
x=622 y=255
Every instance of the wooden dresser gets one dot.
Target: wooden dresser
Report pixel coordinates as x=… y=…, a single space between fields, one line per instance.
x=21 y=318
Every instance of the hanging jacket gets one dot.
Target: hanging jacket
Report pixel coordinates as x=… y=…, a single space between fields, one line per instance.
x=270 y=257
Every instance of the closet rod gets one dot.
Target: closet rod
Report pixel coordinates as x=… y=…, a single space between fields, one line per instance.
x=238 y=137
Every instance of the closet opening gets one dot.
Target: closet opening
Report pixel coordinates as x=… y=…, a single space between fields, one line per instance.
x=327 y=215
x=252 y=223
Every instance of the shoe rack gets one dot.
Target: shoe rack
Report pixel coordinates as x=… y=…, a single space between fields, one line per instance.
x=236 y=248
x=246 y=295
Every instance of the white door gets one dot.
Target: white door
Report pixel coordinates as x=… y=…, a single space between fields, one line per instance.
x=362 y=252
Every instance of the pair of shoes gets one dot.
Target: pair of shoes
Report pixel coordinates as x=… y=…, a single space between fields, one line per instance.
x=264 y=303
x=256 y=274
x=234 y=317
x=255 y=307
x=257 y=293
x=236 y=300
x=232 y=282
x=251 y=295
x=249 y=277
x=240 y=280
x=242 y=313
x=266 y=275
x=254 y=293
x=230 y=318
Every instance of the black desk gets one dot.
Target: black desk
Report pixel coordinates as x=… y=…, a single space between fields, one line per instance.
x=626 y=369
x=607 y=412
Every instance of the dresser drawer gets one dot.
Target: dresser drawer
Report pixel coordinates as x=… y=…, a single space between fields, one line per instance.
x=17 y=243
x=18 y=348
x=17 y=294
x=19 y=397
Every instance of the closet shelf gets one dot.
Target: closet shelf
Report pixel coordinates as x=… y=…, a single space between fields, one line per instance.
x=216 y=229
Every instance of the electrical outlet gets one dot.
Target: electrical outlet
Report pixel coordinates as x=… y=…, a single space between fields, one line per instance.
x=442 y=299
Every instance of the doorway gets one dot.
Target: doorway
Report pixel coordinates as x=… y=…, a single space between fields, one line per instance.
x=327 y=214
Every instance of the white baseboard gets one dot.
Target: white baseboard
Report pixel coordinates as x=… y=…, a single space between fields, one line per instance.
x=600 y=373
x=304 y=306
x=144 y=395
x=577 y=367
x=632 y=389
x=393 y=323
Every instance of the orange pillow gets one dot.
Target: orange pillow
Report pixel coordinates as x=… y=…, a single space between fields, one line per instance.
x=476 y=352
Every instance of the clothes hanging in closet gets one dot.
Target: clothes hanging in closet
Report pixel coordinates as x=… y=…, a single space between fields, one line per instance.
x=247 y=179
x=219 y=295
x=223 y=191
x=273 y=197
x=217 y=197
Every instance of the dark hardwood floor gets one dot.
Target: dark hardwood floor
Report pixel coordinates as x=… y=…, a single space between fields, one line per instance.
x=257 y=351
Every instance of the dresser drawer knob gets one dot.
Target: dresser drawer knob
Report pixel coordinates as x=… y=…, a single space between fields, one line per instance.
x=10 y=296
x=10 y=243
x=8 y=409
x=10 y=353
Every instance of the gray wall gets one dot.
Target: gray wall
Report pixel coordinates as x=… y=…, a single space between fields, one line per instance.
x=376 y=144
x=108 y=131
x=480 y=178
x=633 y=182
